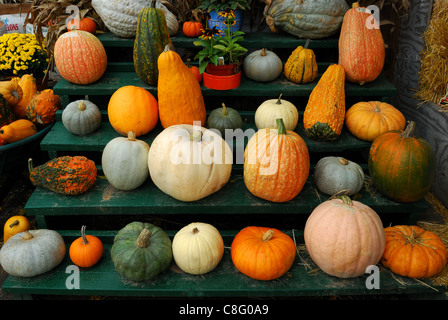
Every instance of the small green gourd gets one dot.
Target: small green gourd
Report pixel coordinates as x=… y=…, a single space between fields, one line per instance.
x=224 y=118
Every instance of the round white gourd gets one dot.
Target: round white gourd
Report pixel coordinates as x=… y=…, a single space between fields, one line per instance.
x=262 y=65
x=198 y=248
x=125 y=162
x=33 y=252
x=272 y=109
x=81 y=117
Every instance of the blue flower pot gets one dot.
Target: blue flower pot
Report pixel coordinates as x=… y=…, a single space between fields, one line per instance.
x=218 y=21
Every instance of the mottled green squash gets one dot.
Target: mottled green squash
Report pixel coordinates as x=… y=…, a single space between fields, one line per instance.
x=151 y=38
x=65 y=175
x=6 y=114
x=141 y=251
x=224 y=118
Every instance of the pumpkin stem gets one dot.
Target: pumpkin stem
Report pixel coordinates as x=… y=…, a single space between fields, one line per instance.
x=189 y=63
x=168 y=47
x=307 y=43
x=355 y=5
x=152 y=4
x=143 y=238
x=196 y=135
x=83 y=235
x=263 y=52
x=279 y=101
x=343 y=161
x=131 y=136
x=81 y=106
x=195 y=230
x=224 y=110
x=409 y=131
x=345 y=199
x=27 y=235
x=377 y=109
x=16 y=222
x=30 y=165
x=267 y=235
x=280 y=126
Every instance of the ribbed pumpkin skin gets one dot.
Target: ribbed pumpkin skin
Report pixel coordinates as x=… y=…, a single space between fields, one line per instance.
x=80 y=57
x=361 y=50
x=309 y=19
x=151 y=38
x=402 y=166
x=324 y=113
x=301 y=66
x=276 y=165
x=413 y=252
x=141 y=263
x=179 y=93
x=65 y=175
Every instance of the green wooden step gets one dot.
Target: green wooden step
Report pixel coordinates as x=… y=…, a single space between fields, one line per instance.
x=224 y=281
x=251 y=40
x=111 y=81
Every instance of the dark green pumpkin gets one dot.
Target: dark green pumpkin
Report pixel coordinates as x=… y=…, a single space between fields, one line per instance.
x=141 y=251
x=224 y=118
x=151 y=38
x=402 y=166
x=6 y=113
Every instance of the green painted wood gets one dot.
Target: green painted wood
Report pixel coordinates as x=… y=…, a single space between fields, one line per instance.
x=224 y=281
x=251 y=40
x=111 y=81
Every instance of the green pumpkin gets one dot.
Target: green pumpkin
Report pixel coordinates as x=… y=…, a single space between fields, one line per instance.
x=6 y=113
x=141 y=251
x=151 y=38
x=224 y=118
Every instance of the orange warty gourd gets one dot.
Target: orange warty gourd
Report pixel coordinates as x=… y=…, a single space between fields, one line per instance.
x=42 y=108
x=413 y=252
x=276 y=164
x=80 y=57
x=29 y=87
x=361 y=48
x=86 y=251
x=134 y=109
x=17 y=130
x=179 y=93
x=14 y=225
x=262 y=253
x=324 y=113
x=366 y=120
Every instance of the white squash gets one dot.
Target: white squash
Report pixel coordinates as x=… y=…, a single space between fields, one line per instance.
x=125 y=162
x=189 y=162
x=272 y=109
x=81 y=117
x=33 y=252
x=262 y=65
x=120 y=16
x=198 y=248
x=335 y=174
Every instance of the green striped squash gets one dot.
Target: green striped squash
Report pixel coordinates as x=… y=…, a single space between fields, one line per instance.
x=151 y=38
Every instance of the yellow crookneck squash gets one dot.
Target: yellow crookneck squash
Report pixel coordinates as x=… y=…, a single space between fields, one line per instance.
x=179 y=93
x=324 y=114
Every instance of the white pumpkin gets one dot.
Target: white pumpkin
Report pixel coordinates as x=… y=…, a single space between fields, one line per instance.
x=272 y=109
x=33 y=252
x=125 y=162
x=335 y=174
x=189 y=162
x=81 y=117
x=262 y=65
x=198 y=248
x=120 y=16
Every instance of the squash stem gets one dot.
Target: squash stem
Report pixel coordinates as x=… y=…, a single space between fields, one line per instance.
x=30 y=165
x=27 y=235
x=355 y=5
x=267 y=235
x=143 y=238
x=409 y=131
x=16 y=222
x=224 y=110
x=83 y=235
x=131 y=136
x=343 y=161
x=195 y=230
x=263 y=52
x=345 y=199
x=279 y=101
x=82 y=106
x=196 y=136
x=280 y=126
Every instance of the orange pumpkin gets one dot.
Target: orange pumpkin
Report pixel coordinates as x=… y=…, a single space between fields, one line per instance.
x=179 y=93
x=192 y=29
x=86 y=250
x=84 y=24
x=42 y=108
x=14 y=225
x=194 y=70
x=80 y=57
x=262 y=253
x=361 y=48
x=11 y=91
x=276 y=164
x=367 y=120
x=29 y=88
x=134 y=109
x=413 y=252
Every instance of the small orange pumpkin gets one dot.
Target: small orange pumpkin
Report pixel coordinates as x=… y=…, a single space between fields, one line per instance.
x=194 y=70
x=14 y=225
x=192 y=29
x=42 y=108
x=413 y=252
x=262 y=253
x=84 y=24
x=86 y=251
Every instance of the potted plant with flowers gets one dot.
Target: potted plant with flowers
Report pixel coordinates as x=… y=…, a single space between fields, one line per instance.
x=215 y=8
x=221 y=56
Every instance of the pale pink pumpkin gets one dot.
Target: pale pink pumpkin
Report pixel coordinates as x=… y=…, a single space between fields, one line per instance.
x=343 y=237
x=80 y=57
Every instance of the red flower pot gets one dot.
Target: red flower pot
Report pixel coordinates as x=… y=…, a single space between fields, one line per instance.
x=222 y=70
x=221 y=82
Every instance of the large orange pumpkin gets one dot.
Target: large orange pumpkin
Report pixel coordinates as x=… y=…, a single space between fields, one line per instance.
x=262 y=253
x=179 y=93
x=413 y=252
x=361 y=48
x=134 y=109
x=80 y=57
x=366 y=120
x=276 y=164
